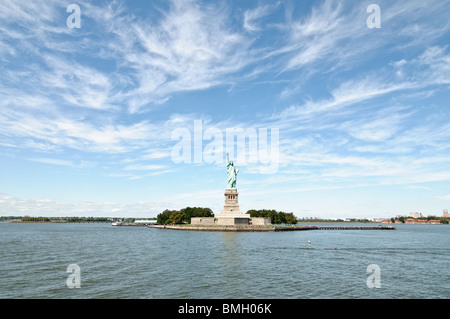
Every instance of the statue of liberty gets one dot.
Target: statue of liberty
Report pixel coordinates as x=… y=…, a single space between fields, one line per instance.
x=231 y=172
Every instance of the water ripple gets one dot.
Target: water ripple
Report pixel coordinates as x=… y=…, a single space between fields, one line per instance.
x=137 y=262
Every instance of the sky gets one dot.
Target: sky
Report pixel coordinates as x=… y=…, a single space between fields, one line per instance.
x=331 y=109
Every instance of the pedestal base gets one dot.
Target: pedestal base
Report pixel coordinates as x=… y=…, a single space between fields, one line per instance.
x=231 y=207
x=231 y=214
x=231 y=221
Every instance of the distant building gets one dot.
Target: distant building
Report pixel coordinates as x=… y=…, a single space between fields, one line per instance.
x=415 y=215
x=445 y=213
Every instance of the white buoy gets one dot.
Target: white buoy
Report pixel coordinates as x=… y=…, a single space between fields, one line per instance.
x=309 y=242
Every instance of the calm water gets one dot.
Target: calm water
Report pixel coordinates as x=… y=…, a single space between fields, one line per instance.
x=139 y=262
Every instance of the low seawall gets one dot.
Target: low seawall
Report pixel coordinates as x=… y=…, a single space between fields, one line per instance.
x=356 y=227
x=268 y=228
x=251 y=228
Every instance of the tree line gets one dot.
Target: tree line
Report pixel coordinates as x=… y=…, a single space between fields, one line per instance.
x=182 y=216
x=275 y=217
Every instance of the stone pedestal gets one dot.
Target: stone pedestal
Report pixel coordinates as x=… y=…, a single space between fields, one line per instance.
x=231 y=207
x=231 y=215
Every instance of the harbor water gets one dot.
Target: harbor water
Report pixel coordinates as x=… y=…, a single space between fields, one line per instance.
x=139 y=262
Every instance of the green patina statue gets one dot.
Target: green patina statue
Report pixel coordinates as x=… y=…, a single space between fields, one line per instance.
x=231 y=172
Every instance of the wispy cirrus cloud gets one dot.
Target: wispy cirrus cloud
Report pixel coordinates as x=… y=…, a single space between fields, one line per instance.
x=334 y=34
x=61 y=162
x=191 y=47
x=252 y=17
x=78 y=134
x=428 y=70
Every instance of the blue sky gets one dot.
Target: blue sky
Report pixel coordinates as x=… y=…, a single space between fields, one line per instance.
x=87 y=115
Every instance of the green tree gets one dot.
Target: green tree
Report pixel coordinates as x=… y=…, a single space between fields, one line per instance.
x=190 y=212
x=291 y=219
x=164 y=217
x=176 y=217
x=275 y=217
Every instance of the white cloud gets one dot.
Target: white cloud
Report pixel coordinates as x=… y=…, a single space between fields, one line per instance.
x=252 y=16
x=321 y=36
x=78 y=134
x=346 y=94
x=385 y=124
x=60 y=162
x=143 y=167
x=445 y=197
x=191 y=48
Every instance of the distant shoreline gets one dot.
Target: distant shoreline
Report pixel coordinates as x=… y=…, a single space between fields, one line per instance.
x=66 y=220
x=41 y=222
x=17 y=221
